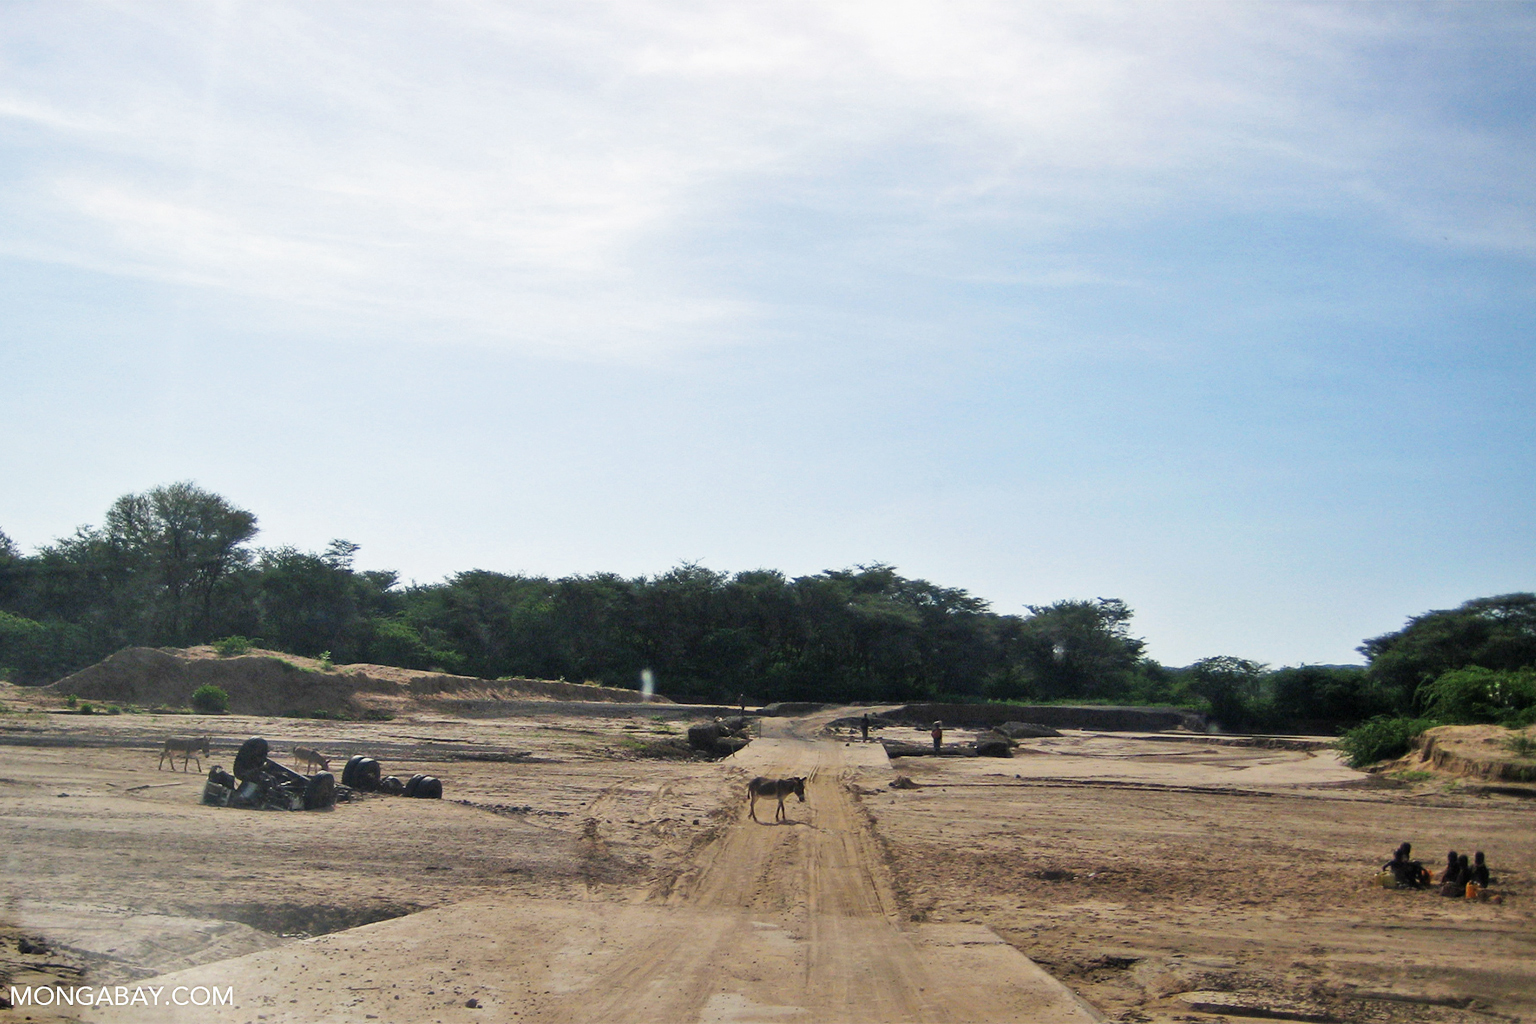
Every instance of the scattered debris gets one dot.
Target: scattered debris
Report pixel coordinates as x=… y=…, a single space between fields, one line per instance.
x=993 y=744
x=723 y=737
x=261 y=783
x=904 y=782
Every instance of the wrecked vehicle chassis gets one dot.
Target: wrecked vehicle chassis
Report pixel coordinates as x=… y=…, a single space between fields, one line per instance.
x=261 y=783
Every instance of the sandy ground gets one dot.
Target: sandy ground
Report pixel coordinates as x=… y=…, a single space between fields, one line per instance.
x=561 y=879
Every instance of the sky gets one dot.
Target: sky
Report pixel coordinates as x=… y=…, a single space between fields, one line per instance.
x=1221 y=309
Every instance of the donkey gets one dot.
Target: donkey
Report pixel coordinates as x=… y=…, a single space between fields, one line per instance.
x=188 y=749
x=310 y=758
x=779 y=788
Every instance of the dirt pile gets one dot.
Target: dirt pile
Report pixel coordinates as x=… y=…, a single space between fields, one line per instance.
x=272 y=683
x=1489 y=752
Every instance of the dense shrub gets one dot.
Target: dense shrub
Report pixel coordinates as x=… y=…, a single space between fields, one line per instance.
x=1473 y=694
x=1381 y=739
x=233 y=646
x=210 y=700
x=36 y=652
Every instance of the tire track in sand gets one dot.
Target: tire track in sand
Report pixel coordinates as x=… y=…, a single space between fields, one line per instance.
x=798 y=921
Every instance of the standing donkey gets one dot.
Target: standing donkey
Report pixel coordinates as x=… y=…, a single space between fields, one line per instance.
x=778 y=788
x=188 y=749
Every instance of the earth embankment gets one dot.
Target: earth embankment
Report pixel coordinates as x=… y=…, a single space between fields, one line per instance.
x=263 y=682
x=1489 y=752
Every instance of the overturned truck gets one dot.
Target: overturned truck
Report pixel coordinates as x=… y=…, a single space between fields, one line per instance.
x=261 y=783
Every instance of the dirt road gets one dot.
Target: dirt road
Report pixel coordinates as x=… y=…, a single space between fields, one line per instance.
x=795 y=921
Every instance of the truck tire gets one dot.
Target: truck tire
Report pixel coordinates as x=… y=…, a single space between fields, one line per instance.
x=410 y=787
x=366 y=775
x=252 y=758
x=429 y=788
x=349 y=773
x=320 y=791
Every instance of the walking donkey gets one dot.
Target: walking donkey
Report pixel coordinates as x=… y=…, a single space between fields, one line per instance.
x=778 y=788
x=188 y=749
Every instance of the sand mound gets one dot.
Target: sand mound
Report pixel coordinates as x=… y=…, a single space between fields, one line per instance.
x=271 y=683
x=1475 y=751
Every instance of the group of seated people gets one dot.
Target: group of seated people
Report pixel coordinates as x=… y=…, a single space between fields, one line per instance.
x=1411 y=874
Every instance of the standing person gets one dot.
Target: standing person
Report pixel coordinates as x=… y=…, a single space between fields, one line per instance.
x=938 y=736
x=865 y=726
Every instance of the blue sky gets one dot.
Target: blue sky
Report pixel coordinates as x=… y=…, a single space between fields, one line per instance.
x=1224 y=309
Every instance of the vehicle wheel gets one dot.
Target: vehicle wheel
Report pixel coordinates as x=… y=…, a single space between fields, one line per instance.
x=320 y=791
x=366 y=775
x=429 y=788
x=391 y=785
x=410 y=787
x=251 y=758
x=349 y=773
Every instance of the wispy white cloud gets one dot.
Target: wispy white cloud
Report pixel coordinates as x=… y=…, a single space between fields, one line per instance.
x=541 y=175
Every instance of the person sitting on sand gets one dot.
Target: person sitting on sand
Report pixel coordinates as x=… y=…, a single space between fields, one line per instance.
x=1406 y=873
x=1456 y=880
x=1451 y=868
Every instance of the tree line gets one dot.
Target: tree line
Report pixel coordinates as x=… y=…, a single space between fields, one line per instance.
x=176 y=566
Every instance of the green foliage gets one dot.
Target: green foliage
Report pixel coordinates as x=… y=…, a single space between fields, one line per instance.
x=171 y=547
x=395 y=641
x=1491 y=632
x=1474 y=694
x=36 y=652
x=71 y=701
x=1342 y=694
x=171 y=566
x=210 y=700
x=1077 y=649
x=1381 y=739
x=85 y=708
x=1232 y=688
x=233 y=646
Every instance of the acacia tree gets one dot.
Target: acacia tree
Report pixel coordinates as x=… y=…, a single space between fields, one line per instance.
x=176 y=543
x=1079 y=648
x=1232 y=686
x=1490 y=632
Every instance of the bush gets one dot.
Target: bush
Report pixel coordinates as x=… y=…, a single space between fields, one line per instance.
x=210 y=700
x=233 y=646
x=35 y=652
x=1381 y=739
x=1467 y=696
